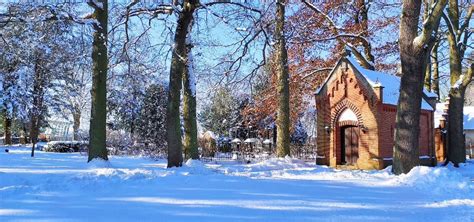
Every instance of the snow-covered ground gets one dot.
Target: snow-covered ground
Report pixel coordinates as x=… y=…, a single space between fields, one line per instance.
x=63 y=187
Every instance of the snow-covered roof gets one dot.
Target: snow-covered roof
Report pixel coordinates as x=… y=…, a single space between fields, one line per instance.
x=391 y=83
x=236 y=140
x=468 y=119
x=251 y=140
x=438 y=113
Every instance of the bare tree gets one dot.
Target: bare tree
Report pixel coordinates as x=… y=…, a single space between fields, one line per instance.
x=458 y=36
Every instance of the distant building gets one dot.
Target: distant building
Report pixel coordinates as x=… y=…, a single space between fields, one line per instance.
x=468 y=124
x=58 y=130
x=469 y=96
x=356 y=110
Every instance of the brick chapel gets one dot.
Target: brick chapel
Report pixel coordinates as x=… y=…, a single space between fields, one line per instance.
x=356 y=110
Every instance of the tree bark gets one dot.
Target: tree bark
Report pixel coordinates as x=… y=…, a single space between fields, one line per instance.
x=97 y=131
x=435 y=69
x=36 y=113
x=7 y=128
x=178 y=66
x=363 y=21
x=190 y=144
x=25 y=129
x=456 y=152
x=76 y=116
x=414 y=50
x=456 y=143
x=283 y=92
x=427 y=80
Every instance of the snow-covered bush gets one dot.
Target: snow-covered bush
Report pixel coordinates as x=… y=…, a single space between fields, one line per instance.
x=119 y=142
x=65 y=146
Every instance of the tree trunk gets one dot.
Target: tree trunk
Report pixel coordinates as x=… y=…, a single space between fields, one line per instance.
x=435 y=68
x=406 y=152
x=363 y=21
x=283 y=92
x=37 y=106
x=7 y=126
x=178 y=65
x=97 y=131
x=414 y=50
x=456 y=142
x=189 y=107
x=427 y=80
x=76 y=123
x=25 y=129
x=34 y=132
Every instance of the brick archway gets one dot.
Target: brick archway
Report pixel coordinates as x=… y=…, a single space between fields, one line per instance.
x=347 y=123
x=339 y=108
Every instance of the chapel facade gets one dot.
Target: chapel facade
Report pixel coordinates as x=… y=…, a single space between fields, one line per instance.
x=356 y=110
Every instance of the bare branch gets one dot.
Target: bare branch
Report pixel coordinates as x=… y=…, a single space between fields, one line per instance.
x=430 y=24
x=468 y=76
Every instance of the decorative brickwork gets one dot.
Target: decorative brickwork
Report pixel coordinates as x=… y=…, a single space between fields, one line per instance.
x=347 y=88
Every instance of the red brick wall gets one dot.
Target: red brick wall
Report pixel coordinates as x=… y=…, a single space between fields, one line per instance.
x=387 y=131
x=347 y=90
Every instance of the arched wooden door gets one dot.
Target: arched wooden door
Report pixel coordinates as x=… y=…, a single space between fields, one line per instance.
x=350 y=145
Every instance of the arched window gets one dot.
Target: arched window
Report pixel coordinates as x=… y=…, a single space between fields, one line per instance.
x=347 y=114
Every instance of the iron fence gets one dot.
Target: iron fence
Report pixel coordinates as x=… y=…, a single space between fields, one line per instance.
x=305 y=152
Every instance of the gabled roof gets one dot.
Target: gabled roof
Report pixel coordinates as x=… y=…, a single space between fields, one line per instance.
x=391 y=83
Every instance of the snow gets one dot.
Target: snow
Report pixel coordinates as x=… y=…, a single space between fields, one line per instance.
x=192 y=75
x=63 y=187
x=251 y=140
x=438 y=113
x=391 y=84
x=236 y=140
x=468 y=119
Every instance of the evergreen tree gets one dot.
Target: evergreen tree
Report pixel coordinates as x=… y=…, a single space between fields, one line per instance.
x=222 y=112
x=151 y=126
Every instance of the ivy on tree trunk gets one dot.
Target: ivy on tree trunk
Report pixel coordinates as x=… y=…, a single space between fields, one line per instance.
x=97 y=131
x=456 y=152
x=178 y=66
x=283 y=92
